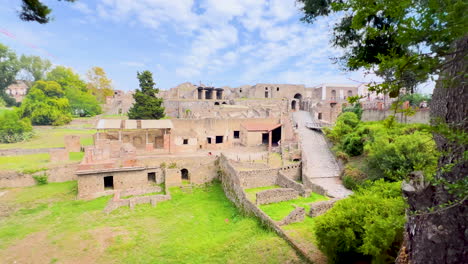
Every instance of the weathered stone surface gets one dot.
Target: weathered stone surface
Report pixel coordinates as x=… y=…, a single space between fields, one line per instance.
x=58 y=155
x=297 y=215
x=72 y=143
x=322 y=207
x=276 y=195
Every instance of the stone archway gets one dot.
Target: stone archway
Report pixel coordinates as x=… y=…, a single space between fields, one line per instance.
x=293 y=105
x=184 y=173
x=298 y=97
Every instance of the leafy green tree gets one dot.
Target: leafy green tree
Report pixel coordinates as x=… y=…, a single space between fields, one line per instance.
x=406 y=43
x=147 y=105
x=35 y=66
x=13 y=129
x=45 y=104
x=99 y=84
x=395 y=158
x=35 y=10
x=82 y=102
x=368 y=223
x=9 y=68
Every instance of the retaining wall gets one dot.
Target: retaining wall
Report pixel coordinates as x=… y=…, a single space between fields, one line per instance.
x=276 y=195
x=286 y=182
x=319 y=208
x=58 y=173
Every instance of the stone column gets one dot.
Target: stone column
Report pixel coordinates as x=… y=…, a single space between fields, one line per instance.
x=203 y=94
x=269 y=141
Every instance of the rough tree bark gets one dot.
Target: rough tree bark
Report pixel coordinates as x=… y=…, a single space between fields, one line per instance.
x=441 y=236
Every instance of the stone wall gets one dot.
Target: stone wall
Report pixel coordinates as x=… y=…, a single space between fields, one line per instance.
x=287 y=182
x=234 y=192
x=276 y=195
x=297 y=215
x=258 y=178
x=56 y=173
x=421 y=116
x=20 y=151
x=293 y=172
x=319 y=208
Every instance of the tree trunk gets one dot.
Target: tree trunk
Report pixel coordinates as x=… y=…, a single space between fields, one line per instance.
x=441 y=235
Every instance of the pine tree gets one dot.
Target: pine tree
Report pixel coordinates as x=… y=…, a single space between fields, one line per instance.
x=147 y=105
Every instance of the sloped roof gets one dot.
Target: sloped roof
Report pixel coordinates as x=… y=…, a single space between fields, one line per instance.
x=260 y=127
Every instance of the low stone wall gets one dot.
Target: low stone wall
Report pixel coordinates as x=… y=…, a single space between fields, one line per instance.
x=421 y=116
x=319 y=208
x=258 y=178
x=141 y=191
x=58 y=173
x=234 y=192
x=297 y=215
x=292 y=171
x=287 y=182
x=276 y=195
x=117 y=202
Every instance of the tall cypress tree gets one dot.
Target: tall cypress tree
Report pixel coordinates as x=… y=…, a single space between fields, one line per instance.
x=147 y=105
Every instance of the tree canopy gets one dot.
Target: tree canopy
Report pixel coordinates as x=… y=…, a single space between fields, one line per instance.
x=35 y=10
x=9 y=68
x=46 y=104
x=35 y=67
x=99 y=84
x=405 y=42
x=147 y=105
x=82 y=102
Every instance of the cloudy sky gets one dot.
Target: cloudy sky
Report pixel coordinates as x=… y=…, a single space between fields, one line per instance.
x=216 y=42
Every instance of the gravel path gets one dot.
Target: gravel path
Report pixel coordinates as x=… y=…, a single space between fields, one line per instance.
x=320 y=164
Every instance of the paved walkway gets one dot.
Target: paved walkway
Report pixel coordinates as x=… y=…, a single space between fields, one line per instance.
x=320 y=164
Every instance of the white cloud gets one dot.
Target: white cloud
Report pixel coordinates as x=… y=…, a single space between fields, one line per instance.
x=82 y=7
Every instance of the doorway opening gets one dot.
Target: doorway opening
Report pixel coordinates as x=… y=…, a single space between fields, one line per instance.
x=152 y=177
x=184 y=174
x=109 y=183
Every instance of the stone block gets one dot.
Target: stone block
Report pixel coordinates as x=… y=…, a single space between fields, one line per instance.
x=57 y=155
x=72 y=143
x=297 y=215
x=322 y=207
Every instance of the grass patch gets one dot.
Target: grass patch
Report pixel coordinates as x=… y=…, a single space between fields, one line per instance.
x=278 y=211
x=76 y=156
x=30 y=162
x=52 y=138
x=251 y=193
x=146 y=194
x=303 y=231
x=202 y=227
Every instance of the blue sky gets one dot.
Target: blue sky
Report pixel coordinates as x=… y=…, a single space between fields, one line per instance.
x=216 y=42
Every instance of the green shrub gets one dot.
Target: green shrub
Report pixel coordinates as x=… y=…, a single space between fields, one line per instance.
x=163 y=165
x=353 y=177
x=13 y=129
x=356 y=108
x=368 y=223
x=394 y=158
x=342 y=155
x=41 y=179
x=353 y=144
x=172 y=165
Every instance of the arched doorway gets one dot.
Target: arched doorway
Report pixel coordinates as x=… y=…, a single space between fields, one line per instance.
x=293 y=105
x=298 y=96
x=184 y=174
x=216 y=103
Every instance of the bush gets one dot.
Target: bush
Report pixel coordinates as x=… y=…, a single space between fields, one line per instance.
x=394 y=158
x=41 y=179
x=353 y=177
x=13 y=129
x=173 y=165
x=163 y=165
x=368 y=223
x=353 y=144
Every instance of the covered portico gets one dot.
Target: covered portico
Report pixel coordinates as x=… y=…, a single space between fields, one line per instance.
x=254 y=134
x=147 y=135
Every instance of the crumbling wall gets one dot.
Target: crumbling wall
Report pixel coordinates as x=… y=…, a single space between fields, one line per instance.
x=56 y=173
x=287 y=182
x=258 y=178
x=319 y=208
x=293 y=172
x=297 y=215
x=276 y=195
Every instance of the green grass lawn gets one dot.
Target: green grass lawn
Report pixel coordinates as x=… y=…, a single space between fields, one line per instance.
x=32 y=161
x=52 y=138
x=303 y=231
x=24 y=162
x=278 y=211
x=202 y=227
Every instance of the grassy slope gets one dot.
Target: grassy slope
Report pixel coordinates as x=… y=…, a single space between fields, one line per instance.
x=203 y=227
x=24 y=162
x=52 y=138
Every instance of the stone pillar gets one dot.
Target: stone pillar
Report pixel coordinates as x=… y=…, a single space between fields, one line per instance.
x=203 y=95
x=269 y=141
x=120 y=135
